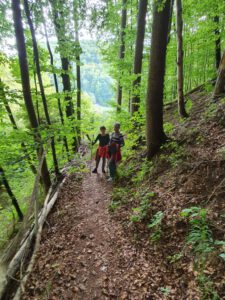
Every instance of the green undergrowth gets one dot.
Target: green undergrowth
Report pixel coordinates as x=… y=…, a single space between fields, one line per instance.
x=21 y=183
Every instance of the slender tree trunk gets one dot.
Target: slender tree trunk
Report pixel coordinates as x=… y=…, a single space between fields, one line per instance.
x=59 y=24
x=154 y=102
x=130 y=94
x=37 y=102
x=189 y=81
x=22 y=54
x=170 y=22
x=78 y=97
x=7 y=107
x=11 y=195
x=122 y=52
x=56 y=87
x=180 y=63
x=174 y=91
x=220 y=82
x=78 y=76
x=217 y=42
x=139 y=46
x=14 y=125
x=41 y=85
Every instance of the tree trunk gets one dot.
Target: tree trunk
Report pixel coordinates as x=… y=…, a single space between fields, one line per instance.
x=170 y=22
x=41 y=85
x=78 y=77
x=59 y=24
x=22 y=54
x=11 y=195
x=78 y=97
x=37 y=101
x=217 y=42
x=220 y=82
x=154 y=101
x=139 y=46
x=56 y=86
x=122 y=52
x=180 y=64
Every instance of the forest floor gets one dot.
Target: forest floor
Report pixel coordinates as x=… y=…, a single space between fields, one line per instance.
x=96 y=246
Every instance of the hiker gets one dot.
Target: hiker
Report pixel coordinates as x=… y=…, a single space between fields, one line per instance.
x=115 y=144
x=102 y=150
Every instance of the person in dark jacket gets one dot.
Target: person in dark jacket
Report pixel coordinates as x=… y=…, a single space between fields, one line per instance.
x=102 y=151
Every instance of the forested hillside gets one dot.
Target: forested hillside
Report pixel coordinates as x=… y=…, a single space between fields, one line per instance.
x=112 y=149
x=95 y=78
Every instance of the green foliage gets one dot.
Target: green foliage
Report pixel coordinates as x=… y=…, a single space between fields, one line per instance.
x=168 y=127
x=201 y=239
x=7 y=223
x=173 y=153
x=141 y=212
x=207 y=288
x=222 y=255
x=210 y=111
x=200 y=236
x=165 y=291
x=145 y=168
x=119 y=197
x=101 y=69
x=156 y=226
x=188 y=106
x=176 y=257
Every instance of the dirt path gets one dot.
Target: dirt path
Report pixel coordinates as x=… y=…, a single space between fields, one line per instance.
x=84 y=252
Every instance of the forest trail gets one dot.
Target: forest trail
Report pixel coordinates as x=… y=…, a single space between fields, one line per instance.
x=84 y=253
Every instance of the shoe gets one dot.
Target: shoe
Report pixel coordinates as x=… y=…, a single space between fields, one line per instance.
x=95 y=171
x=110 y=179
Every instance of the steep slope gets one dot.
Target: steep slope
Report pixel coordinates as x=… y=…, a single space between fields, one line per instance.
x=175 y=204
